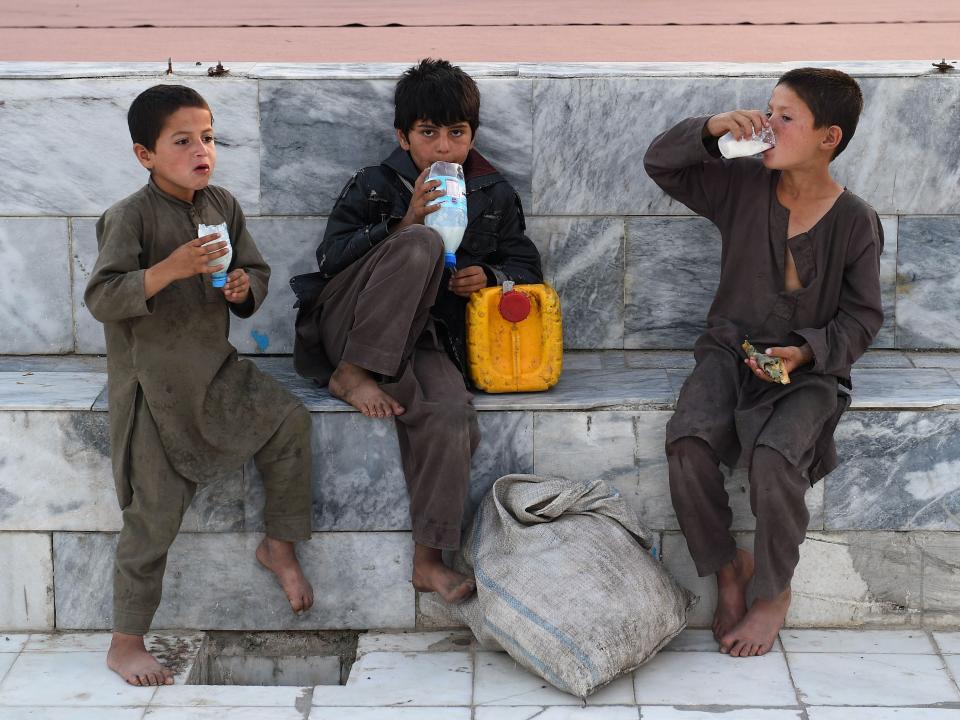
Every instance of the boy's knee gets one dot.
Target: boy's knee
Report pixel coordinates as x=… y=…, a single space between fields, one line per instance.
x=418 y=244
x=298 y=421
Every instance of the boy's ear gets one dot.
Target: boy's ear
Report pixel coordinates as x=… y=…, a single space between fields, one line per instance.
x=832 y=138
x=143 y=155
x=402 y=139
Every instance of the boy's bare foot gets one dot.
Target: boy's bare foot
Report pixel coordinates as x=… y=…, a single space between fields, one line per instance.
x=128 y=658
x=732 y=581
x=757 y=632
x=357 y=386
x=279 y=557
x=431 y=575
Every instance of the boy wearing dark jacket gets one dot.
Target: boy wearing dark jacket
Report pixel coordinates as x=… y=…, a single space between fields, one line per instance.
x=383 y=325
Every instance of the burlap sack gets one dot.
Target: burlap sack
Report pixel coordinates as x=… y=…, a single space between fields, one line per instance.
x=566 y=583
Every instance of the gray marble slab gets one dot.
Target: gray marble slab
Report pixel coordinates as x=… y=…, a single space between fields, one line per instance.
x=895 y=388
x=899 y=471
x=317 y=133
x=88 y=331
x=883 y=359
x=941 y=570
x=35 y=308
x=64 y=70
x=26 y=602
x=506 y=447
x=593 y=359
x=590 y=135
x=886 y=338
x=213 y=582
x=928 y=283
x=53 y=363
x=583 y=261
x=50 y=390
x=364 y=71
x=894 y=68
x=289 y=246
x=672 y=272
x=949 y=360
x=659 y=358
x=102 y=170
x=626 y=450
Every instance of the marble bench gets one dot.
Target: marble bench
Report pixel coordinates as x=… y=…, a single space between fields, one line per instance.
x=883 y=543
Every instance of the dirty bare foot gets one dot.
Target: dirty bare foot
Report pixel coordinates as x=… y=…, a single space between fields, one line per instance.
x=732 y=581
x=356 y=386
x=431 y=575
x=757 y=632
x=128 y=658
x=279 y=557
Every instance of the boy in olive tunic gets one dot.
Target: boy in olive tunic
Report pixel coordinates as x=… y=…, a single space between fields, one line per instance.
x=800 y=277
x=184 y=409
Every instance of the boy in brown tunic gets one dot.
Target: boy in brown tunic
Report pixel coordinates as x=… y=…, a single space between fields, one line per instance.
x=184 y=409
x=800 y=277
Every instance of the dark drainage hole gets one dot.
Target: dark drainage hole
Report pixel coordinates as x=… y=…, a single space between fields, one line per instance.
x=298 y=659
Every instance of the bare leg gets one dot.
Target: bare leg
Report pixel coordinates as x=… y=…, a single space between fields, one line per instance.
x=354 y=385
x=732 y=581
x=756 y=633
x=431 y=575
x=279 y=557
x=128 y=658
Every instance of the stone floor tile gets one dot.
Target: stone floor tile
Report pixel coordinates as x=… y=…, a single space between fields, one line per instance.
x=949 y=642
x=12 y=642
x=700 y=678
x=6 y=662
x=953 y=664
x=230 y=695
x=68 y=642
x=858 y=641
x=378 y=679
x=220 y=713
x=608 y=712
x=876 y=713
x=880 y=679
x=413 y=641
x=686 y=713
x=501 y=681
x=407 y=713
x=176 y=651
x=701 y=640
x=72 y=713
x=949 y=360
x=50 y=390
x=77 y=679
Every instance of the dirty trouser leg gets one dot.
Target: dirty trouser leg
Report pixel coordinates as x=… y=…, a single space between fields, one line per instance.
x=374 y=311
x=285 y=463
x=159 y=498
x=777 y=492
x=438 y=434
x=701 y=503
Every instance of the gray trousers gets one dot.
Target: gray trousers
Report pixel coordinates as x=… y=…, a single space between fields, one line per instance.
x=159 y=497
x=777 y=492
x=376 y=314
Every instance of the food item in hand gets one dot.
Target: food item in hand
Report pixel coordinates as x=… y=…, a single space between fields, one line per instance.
x=772 y=366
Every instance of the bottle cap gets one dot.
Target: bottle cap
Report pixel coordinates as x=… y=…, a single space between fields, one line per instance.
x=514 y=306
x=450 y=260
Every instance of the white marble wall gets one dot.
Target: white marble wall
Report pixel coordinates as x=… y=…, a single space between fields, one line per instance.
x=26 y=592
x=569 y=137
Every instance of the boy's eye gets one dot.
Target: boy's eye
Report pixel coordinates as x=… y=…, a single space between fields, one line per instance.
x=180 y=141
x=208 y=138
x=427 y=132
x=457 y=132
x=768 y=113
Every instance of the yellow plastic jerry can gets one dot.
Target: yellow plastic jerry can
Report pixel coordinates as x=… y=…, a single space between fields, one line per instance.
x=514 y=338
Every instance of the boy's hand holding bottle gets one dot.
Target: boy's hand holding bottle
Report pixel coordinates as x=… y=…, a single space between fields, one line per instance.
x=191 y=258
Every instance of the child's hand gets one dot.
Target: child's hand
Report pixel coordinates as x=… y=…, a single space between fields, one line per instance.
x=792 y=356
x=740 y=123
x=237 y=288
x=423 y=193
x=191 y=259
x=468 y=280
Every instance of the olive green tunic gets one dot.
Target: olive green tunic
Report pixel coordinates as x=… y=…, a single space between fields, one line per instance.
x=213 y=411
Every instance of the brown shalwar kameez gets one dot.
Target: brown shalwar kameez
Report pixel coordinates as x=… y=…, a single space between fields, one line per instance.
x=183 y=408
x=782 y=432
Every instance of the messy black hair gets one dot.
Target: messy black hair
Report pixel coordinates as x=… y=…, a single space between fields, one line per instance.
x=154 y=106
x=437 y=91
x=833 y=97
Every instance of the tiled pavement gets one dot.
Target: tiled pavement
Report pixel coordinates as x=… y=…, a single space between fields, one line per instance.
x=810 y=675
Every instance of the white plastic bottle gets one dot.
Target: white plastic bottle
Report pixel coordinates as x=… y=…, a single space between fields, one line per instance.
x=219 y=278
x=451 y=219
x=756 y=143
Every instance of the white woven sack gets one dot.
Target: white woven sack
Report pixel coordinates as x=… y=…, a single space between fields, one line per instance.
x=566 y=583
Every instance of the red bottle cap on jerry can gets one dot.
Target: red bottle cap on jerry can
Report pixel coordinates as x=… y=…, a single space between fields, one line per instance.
x=514 y=306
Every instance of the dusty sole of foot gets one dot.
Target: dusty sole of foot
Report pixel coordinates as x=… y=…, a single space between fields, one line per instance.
x=289 y=575
x=356 y=387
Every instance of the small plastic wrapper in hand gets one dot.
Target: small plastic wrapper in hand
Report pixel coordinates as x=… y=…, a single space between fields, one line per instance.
x=748 y=146
x=219 y=278
x=772 y=366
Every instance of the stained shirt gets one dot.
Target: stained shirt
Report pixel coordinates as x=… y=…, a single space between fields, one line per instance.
x=212 y=409
x=837 y=311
